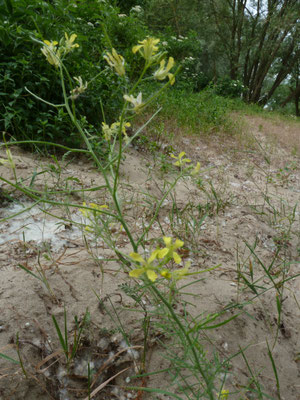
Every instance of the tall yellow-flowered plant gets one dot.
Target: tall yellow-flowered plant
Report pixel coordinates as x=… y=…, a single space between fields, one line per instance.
x=148 y=48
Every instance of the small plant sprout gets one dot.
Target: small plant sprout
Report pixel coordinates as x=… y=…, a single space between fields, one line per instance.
x=70 y=349
x=116 y=61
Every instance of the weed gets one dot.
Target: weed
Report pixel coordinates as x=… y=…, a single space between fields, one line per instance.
x=70 y=350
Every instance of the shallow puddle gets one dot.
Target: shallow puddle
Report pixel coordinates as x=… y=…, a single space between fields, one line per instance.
x=31 y=223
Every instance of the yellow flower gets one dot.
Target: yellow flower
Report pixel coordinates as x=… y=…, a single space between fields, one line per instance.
x=79 y=89
x=224 y=394
x=166 y=274
x=146 y=267
x=180 y=161
x=69 y=44
x=170 y=248
x=147 y=48
x=86 y=213
x=51 y=53
x=107 y=131
x=116 y=61
x=97 y=206
x=196 y=169
x=163 y=71
x=135 y=101
x=110 y=131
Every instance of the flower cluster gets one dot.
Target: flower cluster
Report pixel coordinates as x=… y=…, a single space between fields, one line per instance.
x=94 y=206
x=54 y=52
x=51 y=53
x=136 y=102
x=136 y=9
x=91 y=215
x=163 y=71
x=116 y=61
x=224 y=394
x=113 y=129
x=155 y=265
x=149 y=50
x=180 y=38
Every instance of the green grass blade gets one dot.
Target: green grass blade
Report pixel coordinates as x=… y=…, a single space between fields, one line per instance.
x=221 y=323
x=9 y=359
x=252 y=375
x=60 y=336
x=275 y=371
x=29 y=272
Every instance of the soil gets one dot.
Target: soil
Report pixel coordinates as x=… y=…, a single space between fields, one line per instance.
x=248 y=196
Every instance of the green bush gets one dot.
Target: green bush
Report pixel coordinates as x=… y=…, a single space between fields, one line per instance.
x=200 y=112
x=228 y=87
x=22 y=65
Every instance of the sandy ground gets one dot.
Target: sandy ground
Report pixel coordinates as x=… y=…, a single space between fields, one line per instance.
x=250 y=195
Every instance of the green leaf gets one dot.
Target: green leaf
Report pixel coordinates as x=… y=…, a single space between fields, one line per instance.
x=64 y=345
x=9 y=358
x=9 y=6
x=29 y=272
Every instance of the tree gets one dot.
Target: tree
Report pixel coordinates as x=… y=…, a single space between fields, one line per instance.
x=294 y=89
x=256 y=35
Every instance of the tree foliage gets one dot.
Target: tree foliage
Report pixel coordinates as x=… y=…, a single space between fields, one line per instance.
x=252 y=41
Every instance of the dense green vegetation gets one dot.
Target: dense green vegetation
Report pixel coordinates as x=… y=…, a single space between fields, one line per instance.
x=196 y=37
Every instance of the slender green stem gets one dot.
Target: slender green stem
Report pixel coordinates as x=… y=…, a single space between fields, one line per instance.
x=44 y=142
x=140 y=78
x=98 y=163
x=186 y=335
x=19 y=356
x=157 y=209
